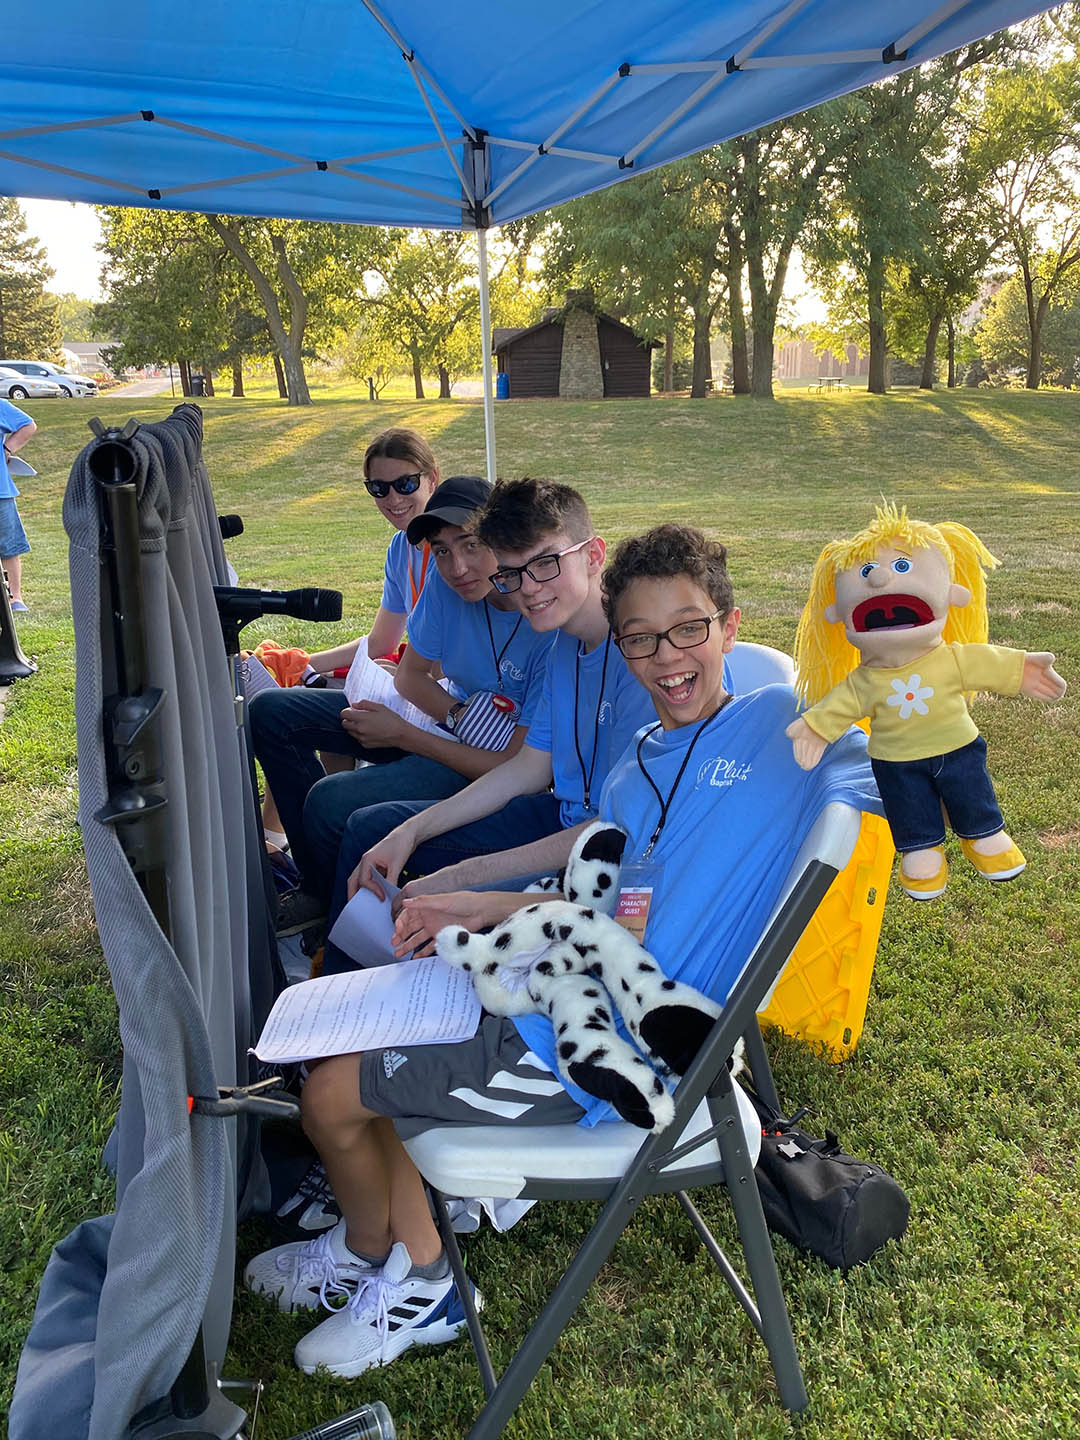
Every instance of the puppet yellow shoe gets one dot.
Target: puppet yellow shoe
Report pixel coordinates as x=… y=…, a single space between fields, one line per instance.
x=1005 y=866
x=932 y=886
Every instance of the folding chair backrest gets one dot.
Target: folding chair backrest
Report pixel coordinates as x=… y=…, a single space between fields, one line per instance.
x=753 y=666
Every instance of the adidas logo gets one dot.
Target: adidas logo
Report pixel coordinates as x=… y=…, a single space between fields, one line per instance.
x=392 y=1060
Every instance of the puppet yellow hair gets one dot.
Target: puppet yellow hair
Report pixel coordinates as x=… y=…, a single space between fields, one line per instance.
x=823 y=654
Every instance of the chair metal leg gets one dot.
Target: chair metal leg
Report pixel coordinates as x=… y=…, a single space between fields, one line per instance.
x=720 y=1260
x=556 y=1315
x=757 y=1246
x=760 y=1069
x=457 y=1265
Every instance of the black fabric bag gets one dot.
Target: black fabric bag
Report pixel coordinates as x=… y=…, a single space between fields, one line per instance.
x=823 y=1200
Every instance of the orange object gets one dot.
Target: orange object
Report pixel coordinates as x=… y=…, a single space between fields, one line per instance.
x=286 y=665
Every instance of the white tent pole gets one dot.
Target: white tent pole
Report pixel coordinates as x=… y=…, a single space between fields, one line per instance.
x=485 y=346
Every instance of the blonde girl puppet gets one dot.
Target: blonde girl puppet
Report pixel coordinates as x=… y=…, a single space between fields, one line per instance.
x=895 y=631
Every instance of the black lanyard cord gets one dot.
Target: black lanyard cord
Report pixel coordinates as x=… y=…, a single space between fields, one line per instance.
x=665 y=805
x=497 y=655
x=587 y=776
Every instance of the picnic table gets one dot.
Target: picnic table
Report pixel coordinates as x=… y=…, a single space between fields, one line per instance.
x=828 y=382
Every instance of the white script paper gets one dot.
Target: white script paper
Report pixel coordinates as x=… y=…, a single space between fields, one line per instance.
x=367 y=680
x=415 y=1002
x=365 y=928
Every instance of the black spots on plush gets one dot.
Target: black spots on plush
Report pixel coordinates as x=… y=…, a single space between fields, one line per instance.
x=463 y=937
x=596 y=968
x=548 y=930
x=588 y=914
x=594 y=1024
x=645 y=968
x=592 y=994
x=657 y=1087
x=637 y=1060
x=667 y=985
x=567 y=963
x=598 y=894
x=564 y=1027
x=638 y=998
x=583 y=949
x=532 y=909
x=567 y=1049
x=595 y=1056
x=465 y=965
x=625 y=986
x=565 y=931
x=503 y=940
x=545 y=967
x=571 y=894
x=601 y=1014
x=607 y=845
x=604 y=880
x=551 y=1007
x=491 y=967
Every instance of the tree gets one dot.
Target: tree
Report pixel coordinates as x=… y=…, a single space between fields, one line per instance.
x=1003 y=336
x=28 y=313
x=76 y=317
x=1027 y=122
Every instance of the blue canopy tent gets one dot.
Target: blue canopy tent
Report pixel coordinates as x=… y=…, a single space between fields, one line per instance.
x=405 y=113
x=418 y=114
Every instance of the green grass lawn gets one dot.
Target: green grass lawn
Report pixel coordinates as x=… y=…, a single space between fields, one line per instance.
x=965 y=1083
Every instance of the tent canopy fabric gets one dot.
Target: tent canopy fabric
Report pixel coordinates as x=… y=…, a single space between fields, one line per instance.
x=408 y=113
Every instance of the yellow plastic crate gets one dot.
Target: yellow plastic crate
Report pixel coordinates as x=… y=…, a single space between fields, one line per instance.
x=822 y=991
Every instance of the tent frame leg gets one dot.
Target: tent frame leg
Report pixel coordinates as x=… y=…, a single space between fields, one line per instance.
x=485 y=348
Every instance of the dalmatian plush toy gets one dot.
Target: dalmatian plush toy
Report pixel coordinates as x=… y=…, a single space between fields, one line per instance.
x=573 y=962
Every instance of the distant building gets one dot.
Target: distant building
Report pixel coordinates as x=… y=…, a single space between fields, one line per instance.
x=797 y=360
x=84 y=356
x=576 y=353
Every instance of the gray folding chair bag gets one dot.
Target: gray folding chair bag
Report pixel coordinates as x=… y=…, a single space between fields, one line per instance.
x=125 y=1297
x=714 y=1139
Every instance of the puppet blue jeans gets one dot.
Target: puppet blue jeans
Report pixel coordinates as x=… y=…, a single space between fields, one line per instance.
x=913 y=792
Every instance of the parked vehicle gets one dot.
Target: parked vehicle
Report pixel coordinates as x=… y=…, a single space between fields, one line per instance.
x=70 y=384
x=16 y=386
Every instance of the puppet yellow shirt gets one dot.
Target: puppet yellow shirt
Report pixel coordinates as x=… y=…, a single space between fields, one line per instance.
x=919 y=709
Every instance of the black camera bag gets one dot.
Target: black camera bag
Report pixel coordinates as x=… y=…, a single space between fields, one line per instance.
x=823 y=1200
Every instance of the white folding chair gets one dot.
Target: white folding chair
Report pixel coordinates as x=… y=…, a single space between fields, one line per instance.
x=714 y=1139
x=753 y=666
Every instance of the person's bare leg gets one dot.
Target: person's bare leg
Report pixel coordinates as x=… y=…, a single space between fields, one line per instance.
x=376 y=1184
x=270 y=817
x=13 y=565
x=335 y=764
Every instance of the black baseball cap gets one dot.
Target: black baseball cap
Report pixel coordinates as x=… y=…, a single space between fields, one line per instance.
x=452 y=503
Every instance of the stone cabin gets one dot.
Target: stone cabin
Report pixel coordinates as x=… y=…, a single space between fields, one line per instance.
x=575 y=353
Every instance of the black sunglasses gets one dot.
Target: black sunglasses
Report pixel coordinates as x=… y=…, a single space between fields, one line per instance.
x=404 y=485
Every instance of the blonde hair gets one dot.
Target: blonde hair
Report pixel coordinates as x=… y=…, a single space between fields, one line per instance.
x=823 y=654
x=399 y=443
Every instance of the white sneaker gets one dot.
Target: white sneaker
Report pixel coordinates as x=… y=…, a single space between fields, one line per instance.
x=308 y=1273
x=389 y=1312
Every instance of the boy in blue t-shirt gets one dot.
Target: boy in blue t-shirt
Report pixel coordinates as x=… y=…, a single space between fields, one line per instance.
x=16 y=428
x=507 y=824
x=712 y=790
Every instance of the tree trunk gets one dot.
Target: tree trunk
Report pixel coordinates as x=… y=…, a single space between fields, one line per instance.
x=289 y=342
x=926 y=381
x=237 y=380
x=702 y=358
x=371 y=389
x=1034 y=367
x=875 y=286
x=950 y=330
x=444 y=383
x=418 y=380
x=279 y=375
x=669 y=360
x=208 y=382
x=185 y=377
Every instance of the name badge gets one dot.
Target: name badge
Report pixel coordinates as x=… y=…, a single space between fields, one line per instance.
x=639 y=882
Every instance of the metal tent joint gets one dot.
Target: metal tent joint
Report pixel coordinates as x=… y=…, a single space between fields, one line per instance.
x=265 y=1098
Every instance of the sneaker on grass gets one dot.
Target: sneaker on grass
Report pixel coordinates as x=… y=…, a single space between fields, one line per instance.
x=305 y=1274
x=390 y=1311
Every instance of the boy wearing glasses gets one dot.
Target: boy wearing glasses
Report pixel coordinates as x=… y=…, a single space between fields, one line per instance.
x=712 y=794
x=507 y=824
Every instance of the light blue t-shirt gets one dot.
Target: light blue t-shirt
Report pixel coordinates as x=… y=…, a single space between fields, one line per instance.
x=734 y=827
x=508 y=658
x=11 y=419
x=402 y=561
x=612 y=717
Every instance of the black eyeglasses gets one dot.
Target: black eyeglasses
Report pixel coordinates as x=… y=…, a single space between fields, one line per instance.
x=545 y=567
x=684 y=636
x=404 y=485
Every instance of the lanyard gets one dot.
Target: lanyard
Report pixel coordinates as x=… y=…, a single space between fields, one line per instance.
x=497 y=655
x=665 y=805
x=425 y=551
x=587 y=776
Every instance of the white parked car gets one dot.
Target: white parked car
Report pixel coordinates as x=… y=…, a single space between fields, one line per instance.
x=70 y=384
x=16 y=386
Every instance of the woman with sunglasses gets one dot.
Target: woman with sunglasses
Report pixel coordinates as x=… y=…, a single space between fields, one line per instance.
x=291 y=728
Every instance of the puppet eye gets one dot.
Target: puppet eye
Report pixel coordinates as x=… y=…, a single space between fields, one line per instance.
x=901 y=566
x=870 y=565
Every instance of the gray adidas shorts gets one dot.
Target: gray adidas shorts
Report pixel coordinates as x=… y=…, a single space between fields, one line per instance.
x=492 y=1079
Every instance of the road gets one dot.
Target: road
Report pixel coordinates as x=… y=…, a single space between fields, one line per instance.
x=140 y=389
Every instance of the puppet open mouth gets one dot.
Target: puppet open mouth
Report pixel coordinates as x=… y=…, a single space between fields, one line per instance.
x=891 y=612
